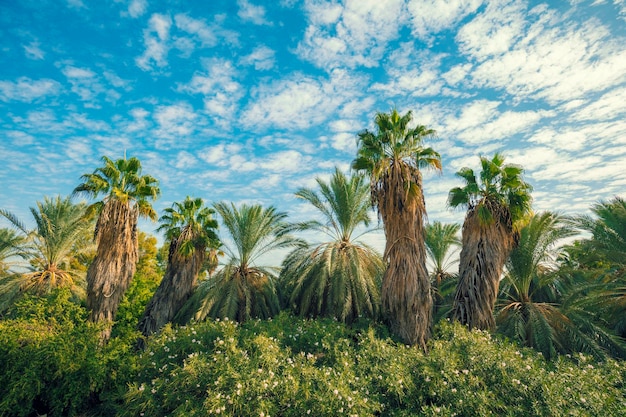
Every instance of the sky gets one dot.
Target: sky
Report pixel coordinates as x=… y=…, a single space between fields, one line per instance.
x=247 y=101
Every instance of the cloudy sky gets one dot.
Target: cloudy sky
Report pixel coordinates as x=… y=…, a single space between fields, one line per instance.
x=248 y=100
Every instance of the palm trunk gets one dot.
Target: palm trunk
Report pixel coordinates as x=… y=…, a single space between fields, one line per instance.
x=484 y=252
x=175 y=289
x=112 y=270
x=406 y=297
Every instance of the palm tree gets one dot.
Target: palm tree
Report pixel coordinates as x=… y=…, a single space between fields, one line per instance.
x=392 y=156
x=242 y=289
x=339 y=278
x=529 y=306
x=127 y=194
x=441 y=241
x=59 y=236
x=494 y=202
x=11 y=248
x=604 y=259
x=190 y=230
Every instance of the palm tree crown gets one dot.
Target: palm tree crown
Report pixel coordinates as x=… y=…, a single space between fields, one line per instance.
x=121 y=180
x=339 y=278
x=242 y=289
x=61 y=233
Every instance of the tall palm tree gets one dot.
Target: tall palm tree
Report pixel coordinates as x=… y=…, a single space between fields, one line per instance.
x=60 y=234
x=494 y=202
x=339 y=278
x=441 y=243
x=392 y=156
x=190 y=230
x=127 y=194
x=242 y=289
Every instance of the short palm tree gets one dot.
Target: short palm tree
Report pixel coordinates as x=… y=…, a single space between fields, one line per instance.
x=441 y=243
x=242 y=289
x=11 y=249
x=529 y=308
x=339 y=278
x=392 y=156
x=60 y=235
x=127 y=195
x=494 y=201
x=190 y=230
x=604 y=256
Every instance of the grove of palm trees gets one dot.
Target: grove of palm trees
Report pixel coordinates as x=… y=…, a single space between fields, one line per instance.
x=514 y=312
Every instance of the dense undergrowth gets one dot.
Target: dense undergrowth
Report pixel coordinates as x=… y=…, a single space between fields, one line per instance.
x=51 y=362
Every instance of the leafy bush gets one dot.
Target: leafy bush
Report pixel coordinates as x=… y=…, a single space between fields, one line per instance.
x=51 y=360
x=294 y=367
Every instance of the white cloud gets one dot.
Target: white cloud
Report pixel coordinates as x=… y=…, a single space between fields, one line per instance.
x=429 y=17
x=355 y=34
x=137 y=8
x=175 y=124
x=155 y=38
x=252 y=13
x=198 y=28
x=609 y=106
x=551 y=57
x=33 y=51
x=185 y=160
x=262 y=58
x=220 y=89
x=300 y=102
x=27 y=90
x=493 y=31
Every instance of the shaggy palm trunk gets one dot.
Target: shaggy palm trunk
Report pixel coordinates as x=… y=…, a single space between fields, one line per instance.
x=111 y=271
x=175 y=289
x=406 y=297
x=483 y=254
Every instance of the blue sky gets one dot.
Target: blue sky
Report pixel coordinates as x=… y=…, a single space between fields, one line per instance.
x=248 y=100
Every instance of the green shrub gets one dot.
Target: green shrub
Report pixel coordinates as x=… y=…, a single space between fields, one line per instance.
x=295 y=367
x=51 y=361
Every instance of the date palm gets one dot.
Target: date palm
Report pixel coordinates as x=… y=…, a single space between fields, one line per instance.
x=190 y=230
x=441 y=243
x=392 y=156
x=528 y=309
x=495 y=201
x=604 y=258
x=242 y=289
x=60 y=235
x=127 y=195
x=339 y=278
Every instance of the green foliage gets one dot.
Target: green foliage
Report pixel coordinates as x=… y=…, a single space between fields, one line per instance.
x=339 y=278
x=394 y=142
x=499 y=193
x=52 y=248
x=296 y=367
x=51 y=360
x=121 y=180
x=242 y=289
x=142 y=287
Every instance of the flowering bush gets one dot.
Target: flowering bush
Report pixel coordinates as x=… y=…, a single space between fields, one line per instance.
x=295 y=367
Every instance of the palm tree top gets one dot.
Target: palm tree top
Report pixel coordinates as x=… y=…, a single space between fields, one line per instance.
x=121 y=180
x=393 y=141
x=192 y=220
x=344 y=203
x=498 y=186
x=255 y=231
